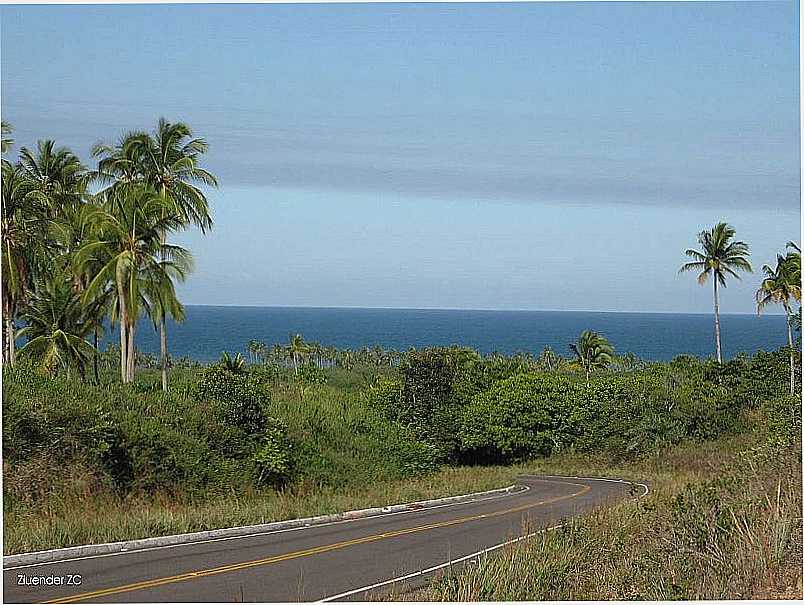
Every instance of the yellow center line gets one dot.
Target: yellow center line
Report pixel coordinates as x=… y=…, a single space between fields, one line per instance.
x=305 y=553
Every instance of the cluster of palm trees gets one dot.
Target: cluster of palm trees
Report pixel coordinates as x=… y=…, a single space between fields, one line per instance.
x=298 y=351
x=721 y=256
x=83 y=248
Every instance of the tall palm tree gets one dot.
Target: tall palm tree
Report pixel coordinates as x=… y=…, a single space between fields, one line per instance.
x=69 y=231
x=719 y=257
x=548 y=359
x=592 y=351
x=168 y=161
x=56 y=326
x=254 y=348
x=6 y=142
x=298 y=349
x=793 y=260
x=119 y=163
x=58 y=172
x=24 y=224
x=780 y=286
x=137 y=260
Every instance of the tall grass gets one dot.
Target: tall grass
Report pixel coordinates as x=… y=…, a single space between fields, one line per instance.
x=74 y=516
x=721 y=522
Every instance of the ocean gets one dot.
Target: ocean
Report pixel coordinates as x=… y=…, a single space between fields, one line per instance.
x=209 y=330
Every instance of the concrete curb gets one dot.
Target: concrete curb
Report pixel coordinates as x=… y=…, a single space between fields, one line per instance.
x=89 y=550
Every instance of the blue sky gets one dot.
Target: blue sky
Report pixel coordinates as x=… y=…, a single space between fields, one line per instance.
x=515 y=156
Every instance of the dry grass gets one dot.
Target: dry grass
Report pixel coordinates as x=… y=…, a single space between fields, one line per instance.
x=717 y=525
x=83 y=515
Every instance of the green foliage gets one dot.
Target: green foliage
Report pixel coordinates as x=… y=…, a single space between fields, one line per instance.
x=624 y=414
x=385 y=395
x=273 y=459
x=242 y=402
x=781 y=420
x=428 y=406
x=56 y=325
x=526 y=415
x=752 y=381
x=592 y=351
x=307 y=376
x=232 y=363
x=433 y=387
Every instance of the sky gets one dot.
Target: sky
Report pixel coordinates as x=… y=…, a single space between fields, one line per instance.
x=496 y=156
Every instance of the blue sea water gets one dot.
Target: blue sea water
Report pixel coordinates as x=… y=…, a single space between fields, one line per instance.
x=208 y=330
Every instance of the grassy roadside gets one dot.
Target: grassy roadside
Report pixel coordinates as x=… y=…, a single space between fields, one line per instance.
x=77 y=518
x=722 y=520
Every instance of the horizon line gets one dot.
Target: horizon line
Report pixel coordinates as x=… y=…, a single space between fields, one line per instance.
x=348 y=307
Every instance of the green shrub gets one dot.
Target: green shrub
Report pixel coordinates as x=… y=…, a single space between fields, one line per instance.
x=428 y=406
x=243 y=402
x=704 y=410
x=385 y=395
x=625 y=414
x=273 y=461
x=526 y=415
x=755 y=380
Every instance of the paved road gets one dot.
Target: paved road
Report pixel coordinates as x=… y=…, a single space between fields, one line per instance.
x=345 y=559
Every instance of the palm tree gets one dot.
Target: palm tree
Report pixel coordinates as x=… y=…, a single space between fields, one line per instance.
x=781 y=285
x=169 y=163
x=257 y=350
x=167 y=160
x=232 y=363
x=58 y=173
x=24 y=224
x=719 y=257
x=56 y=326
x=137 y=261
x=548 y=359
x=68 y=232
x=297 y=349
x=6 y=142
x=793 y=259
x=591 y=351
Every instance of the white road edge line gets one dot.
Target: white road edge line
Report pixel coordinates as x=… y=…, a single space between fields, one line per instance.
x=133 y=551
x=479 y=553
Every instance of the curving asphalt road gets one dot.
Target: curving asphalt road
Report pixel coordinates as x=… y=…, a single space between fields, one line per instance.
x=344 y=560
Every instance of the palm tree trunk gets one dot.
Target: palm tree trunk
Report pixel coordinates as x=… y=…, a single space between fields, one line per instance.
x=790 y=344
x=130 y=353
x=12 y=341
x=5 y=325
x=717 y=322
x=95 y=355
x=163 y=351
x=162 y=327
x=7 y=328
x=123 y=349
x=123 y=337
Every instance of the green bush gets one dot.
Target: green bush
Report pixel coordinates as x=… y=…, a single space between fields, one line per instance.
x=273 y=461
x=385 y=395
x=755 y=380
x=428 y=406
x=704 y=410
x=242 y=400
x=526 y=415
x=625 y=414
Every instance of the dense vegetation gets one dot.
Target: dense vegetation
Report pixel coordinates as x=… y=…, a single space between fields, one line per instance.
x=253 y=432
x=722 y=521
